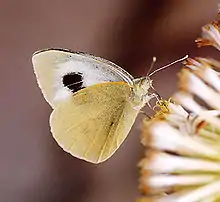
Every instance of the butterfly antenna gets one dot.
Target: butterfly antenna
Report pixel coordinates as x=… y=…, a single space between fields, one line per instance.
x=172 y=63
x=152 y=65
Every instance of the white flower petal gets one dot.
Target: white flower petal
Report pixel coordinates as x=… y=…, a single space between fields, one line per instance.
x=160 y=181
x=187 y=102
x=210 y=76
x=166 y=163
x=197 y=87
x=200 y=193
x=175 y=142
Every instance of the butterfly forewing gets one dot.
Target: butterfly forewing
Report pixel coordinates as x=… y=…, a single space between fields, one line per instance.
x=61 y=73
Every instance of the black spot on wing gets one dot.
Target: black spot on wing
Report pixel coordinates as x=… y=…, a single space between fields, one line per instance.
x=73 y=81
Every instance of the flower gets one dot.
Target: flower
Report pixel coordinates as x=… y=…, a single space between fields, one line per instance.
x=182 y=161
x=210 y=35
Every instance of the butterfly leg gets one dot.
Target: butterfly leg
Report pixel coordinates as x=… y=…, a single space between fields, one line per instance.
x=151 y=96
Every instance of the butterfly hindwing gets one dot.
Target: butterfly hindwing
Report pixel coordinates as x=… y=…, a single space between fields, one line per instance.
x=94 y=122
x=60 y=73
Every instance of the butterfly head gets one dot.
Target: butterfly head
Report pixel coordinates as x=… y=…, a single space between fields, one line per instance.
x=141 y=89
x=143 y=85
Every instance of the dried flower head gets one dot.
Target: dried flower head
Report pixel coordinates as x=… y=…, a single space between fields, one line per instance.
x=182 y=162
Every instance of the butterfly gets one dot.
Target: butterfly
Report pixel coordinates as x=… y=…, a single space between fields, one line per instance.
x=95 y=102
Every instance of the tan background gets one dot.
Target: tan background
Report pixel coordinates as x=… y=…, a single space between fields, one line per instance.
x=32 y=166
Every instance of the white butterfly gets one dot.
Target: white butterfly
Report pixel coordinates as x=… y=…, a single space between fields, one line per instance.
x=94 y=101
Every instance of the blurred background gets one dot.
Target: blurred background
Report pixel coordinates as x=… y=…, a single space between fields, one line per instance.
x=128 y=32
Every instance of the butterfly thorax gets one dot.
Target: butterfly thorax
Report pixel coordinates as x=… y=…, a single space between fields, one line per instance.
x=140 y=91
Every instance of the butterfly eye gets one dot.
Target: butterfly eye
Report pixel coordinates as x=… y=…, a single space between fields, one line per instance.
x=73 y=81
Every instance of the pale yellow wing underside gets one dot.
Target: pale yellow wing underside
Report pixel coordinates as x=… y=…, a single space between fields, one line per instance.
x=94 y=122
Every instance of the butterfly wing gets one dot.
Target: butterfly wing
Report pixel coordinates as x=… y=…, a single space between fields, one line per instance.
x=93 y=123
x=60 y=73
